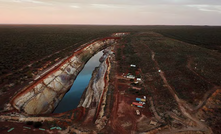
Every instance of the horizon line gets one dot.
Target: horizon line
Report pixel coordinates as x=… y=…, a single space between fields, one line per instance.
x=112 y=24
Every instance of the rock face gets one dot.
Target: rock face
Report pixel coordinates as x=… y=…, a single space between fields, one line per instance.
x=96 y=85
x=43 y=95
x=94 y=97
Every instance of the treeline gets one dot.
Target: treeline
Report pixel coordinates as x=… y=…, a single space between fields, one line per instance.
x=19 y=49
x=207 y=36
x=23 y=45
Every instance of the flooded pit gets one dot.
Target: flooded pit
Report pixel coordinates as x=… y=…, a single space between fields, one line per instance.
x=72 y=97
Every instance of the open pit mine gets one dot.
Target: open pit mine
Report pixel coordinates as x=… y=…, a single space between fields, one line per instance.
x=127 y=88
x=43 y=96
x=37 y=101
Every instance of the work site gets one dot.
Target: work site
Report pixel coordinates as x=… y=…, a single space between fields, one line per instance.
x=127 y=82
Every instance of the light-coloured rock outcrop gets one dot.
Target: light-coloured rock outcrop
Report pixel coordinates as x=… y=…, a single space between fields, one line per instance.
x=94 y=97
x=42 y=96
x=96 y=85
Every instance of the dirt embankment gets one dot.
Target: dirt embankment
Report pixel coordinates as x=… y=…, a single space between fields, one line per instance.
x=94 y=97
x=42 y=96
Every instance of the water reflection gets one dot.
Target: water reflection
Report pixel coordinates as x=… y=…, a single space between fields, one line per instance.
x=72 y=97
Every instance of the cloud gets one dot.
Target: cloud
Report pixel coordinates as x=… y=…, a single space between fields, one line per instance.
x=118 y=3
x=26 y=1
x=74 y=6
x=30 y=1
x=114 y=11
x=207 y=8
x=142 y=2
x=105 y=6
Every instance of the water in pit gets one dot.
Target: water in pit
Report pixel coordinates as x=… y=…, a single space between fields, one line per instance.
x=73 y=96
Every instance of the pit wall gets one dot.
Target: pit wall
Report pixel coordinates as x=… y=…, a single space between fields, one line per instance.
x=94 y=96
x=42 y=96
x=96 y=85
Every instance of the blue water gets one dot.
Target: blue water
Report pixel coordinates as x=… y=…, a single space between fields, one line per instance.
x=72 y=97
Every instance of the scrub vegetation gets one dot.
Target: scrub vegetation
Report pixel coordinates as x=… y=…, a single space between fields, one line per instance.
x=178 y=69
x=26 y=50
x=174 y=68
x=207 y=36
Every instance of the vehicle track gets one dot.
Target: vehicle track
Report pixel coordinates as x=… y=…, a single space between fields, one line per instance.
x=181 y=103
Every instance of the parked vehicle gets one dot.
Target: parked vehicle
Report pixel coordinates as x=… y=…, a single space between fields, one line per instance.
x=137 y=112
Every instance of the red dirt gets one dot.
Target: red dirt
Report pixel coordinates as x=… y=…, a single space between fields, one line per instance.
x=123 y=119
x=19 y=129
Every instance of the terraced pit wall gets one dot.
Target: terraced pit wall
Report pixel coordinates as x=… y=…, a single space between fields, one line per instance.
x=42 y=96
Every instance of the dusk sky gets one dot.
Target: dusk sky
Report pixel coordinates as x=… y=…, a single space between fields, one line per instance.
x=113 y=12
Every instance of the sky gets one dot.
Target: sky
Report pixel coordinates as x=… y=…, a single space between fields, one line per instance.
x=111 y=12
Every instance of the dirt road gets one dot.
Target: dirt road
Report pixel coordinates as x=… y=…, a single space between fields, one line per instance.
x=181 y=103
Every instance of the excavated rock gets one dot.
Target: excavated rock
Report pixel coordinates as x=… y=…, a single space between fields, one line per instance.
x=42 y=96
x=96 y=85
x=94 y=96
